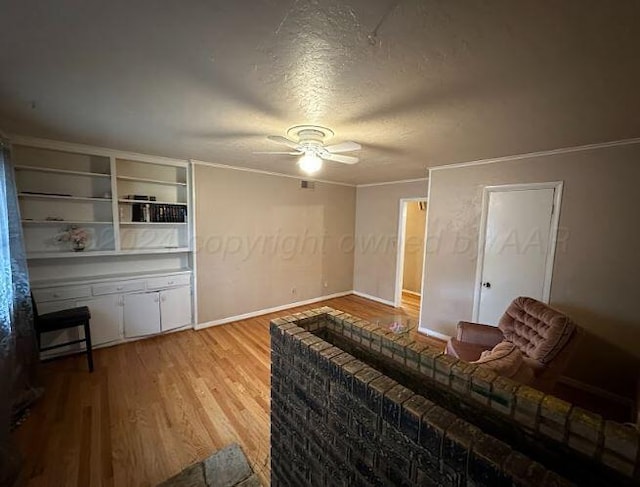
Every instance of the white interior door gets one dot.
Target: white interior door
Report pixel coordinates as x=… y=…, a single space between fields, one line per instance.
x=141 y=314
x=515 y=252
x=175 y=308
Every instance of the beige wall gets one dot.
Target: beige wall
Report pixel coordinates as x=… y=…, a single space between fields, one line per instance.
x=413 y=247
x=595 y=276
x=377 y=213
x=264 y=242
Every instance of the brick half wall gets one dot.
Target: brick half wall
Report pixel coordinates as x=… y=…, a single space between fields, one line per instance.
x=391 y=412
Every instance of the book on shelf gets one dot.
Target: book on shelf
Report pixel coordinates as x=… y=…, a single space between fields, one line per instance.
x=140 y=197
x=160 y=213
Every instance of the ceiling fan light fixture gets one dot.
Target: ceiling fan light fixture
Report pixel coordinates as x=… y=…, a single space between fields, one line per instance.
x=310 y=163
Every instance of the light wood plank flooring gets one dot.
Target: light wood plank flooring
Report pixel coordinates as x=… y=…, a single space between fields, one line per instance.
x=155 y=406
x=411 y=303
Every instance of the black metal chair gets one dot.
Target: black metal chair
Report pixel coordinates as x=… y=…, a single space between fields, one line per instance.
x=60 y=320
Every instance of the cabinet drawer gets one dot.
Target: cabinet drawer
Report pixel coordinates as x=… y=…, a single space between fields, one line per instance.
x=168 y=281
x=58 y=293
x=117 y=287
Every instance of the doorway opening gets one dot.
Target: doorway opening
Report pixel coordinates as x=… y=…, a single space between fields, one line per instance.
x=411 y=249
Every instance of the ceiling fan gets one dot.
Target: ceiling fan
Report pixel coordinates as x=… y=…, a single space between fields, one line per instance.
x=309 y=143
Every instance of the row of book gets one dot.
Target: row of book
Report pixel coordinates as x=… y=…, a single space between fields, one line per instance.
x=163 y=213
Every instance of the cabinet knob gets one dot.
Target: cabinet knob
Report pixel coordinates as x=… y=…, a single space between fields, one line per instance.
x=119 y=288
x=55 y=295
x=170 y=283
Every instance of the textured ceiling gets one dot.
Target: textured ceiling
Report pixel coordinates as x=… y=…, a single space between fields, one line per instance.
x=441 y=82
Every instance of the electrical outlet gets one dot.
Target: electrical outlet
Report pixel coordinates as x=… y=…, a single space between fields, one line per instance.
x=326 y=283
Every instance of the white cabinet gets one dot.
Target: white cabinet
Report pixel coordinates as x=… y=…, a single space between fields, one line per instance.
x=149 y=313
x=117 y=287
x=120 y=309
x=141 y=314
x=60 y=293
x=61 y=186
x=106 y=318
x=58 y=190
x=175 y=308
x=168 y=281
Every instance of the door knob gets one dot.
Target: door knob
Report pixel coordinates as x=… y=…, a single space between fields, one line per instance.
x=486 y=284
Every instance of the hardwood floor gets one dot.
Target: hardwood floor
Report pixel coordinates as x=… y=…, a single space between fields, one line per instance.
x=155 y=406
x=411 y=304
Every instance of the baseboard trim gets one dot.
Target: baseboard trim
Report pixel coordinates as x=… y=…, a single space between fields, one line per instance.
x=596 y=391
x=374 y=298
x=413 y=293
x=275 y=309
x=433 y=334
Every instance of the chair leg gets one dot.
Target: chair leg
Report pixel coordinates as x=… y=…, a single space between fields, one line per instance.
x=87 y=336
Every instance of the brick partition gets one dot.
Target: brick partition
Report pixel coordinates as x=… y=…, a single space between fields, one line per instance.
x=354 y=404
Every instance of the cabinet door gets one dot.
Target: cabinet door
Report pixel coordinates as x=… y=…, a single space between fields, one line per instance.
x=175 y=308
x=141 y=314
x=106 y=318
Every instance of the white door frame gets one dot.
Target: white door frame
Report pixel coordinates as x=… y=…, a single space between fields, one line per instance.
x=402 y=224
x=553 y=235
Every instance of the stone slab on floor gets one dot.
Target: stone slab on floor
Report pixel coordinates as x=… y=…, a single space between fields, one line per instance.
x=192 y=476
x=250 y=482
x=227 y=467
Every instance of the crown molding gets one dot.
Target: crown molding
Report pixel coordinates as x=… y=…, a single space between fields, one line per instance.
x=196 y=162
x=93 y=150
x=401 y=181
x=545 y=153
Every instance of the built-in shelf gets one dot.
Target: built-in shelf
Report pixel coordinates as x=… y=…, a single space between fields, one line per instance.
x=69 y=254
x=157 y=250
x=62 y=171
x=60 y=197
x=63 y=222
x=152 y=223
x=132 y=202
x=91 y=190
x=152 y=181
x=103 y=253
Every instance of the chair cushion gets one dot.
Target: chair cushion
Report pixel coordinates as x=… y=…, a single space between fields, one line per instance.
x=506 y=359
x=464 y=351
x=540 y=332
x=59 y=320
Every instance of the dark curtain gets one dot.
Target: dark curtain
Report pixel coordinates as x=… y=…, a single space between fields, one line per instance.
x=18 y=353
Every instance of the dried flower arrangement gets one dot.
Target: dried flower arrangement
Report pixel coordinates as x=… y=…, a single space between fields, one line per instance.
x=77 y=236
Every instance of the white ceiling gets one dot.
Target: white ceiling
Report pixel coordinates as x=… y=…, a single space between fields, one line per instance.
x=442 y=82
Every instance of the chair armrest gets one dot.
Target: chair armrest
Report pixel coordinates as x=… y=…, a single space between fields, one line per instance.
x=488 y=336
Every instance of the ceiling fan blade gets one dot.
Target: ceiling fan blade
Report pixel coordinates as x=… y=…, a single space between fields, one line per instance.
x=281 y=153
x=278 y=139
x=343 y=147
x=338 y=158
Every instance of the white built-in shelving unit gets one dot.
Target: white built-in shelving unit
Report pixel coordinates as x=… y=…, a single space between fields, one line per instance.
x=62 y=185
x=94 y=190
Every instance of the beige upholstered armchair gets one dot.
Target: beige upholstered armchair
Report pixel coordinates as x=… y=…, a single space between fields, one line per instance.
x=540 y=336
